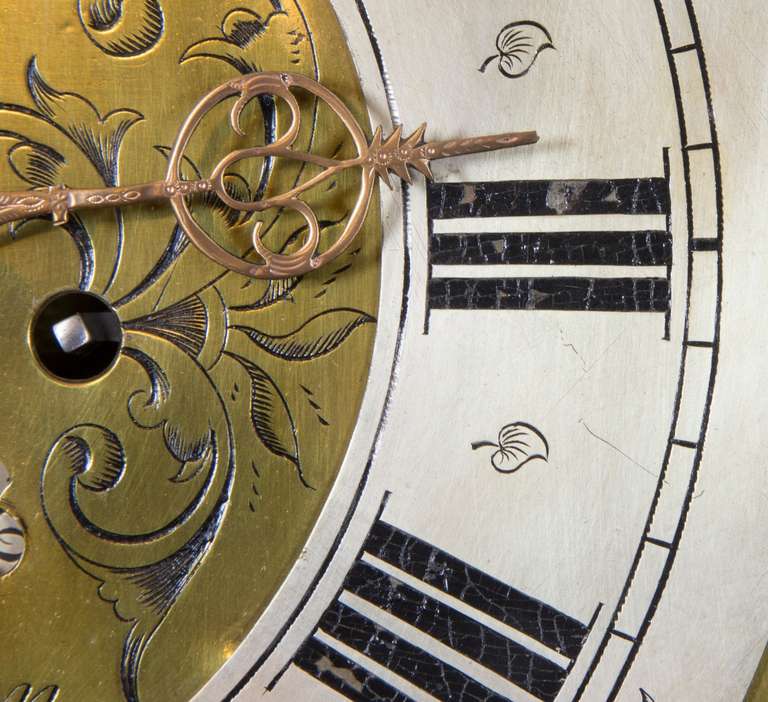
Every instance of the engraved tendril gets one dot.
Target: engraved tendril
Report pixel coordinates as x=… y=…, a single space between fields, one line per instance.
x=377 y=159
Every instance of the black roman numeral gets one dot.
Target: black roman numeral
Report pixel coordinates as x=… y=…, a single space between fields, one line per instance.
x=381 y=582
x=587 y=245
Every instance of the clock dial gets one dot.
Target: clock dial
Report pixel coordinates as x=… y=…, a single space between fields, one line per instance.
x=536 y=513
x=552 y=491
x=173 y=429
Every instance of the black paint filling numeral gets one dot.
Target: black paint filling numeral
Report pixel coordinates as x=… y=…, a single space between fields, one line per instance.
x=563 y=294
x=548 y=199
x=539 y=675
x=539 y=198
x=344 y=675
x=638 y=248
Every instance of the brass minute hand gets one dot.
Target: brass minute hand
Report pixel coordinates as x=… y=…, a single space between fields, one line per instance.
x=377 y=158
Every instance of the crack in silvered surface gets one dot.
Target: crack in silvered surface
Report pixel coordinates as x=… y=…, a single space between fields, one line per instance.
x=645 y=247
x=568 y=294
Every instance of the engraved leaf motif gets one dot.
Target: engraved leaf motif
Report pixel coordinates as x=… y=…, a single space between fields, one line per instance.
x=274 y=291
x=122 y=28
x=318 y=336
x=519 y=443
x=270 y=415
x=36 y=164
x=519 y=45
x=98 y=136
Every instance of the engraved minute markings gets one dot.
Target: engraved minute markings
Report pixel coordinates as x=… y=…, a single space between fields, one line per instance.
x=657 y=550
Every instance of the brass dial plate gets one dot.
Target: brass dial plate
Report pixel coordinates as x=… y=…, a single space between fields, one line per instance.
x=163 y=502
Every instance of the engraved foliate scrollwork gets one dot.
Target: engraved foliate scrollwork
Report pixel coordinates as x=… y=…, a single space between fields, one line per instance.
x=248 y=40
x=122 y=28
x=89 y=468
x=98 y=136
x=199 y=416
x=63 y=137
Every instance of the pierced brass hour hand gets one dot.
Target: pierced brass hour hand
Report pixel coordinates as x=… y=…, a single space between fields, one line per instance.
x=378 y=158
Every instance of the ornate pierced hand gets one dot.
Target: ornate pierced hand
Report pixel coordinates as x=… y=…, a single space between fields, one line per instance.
x=378 y=158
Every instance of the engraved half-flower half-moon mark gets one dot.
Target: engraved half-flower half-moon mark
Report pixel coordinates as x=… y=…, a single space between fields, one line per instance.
x=518 y=45
x=518 y=444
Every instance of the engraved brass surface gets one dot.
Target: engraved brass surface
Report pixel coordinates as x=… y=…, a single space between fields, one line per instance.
x=163 y=503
